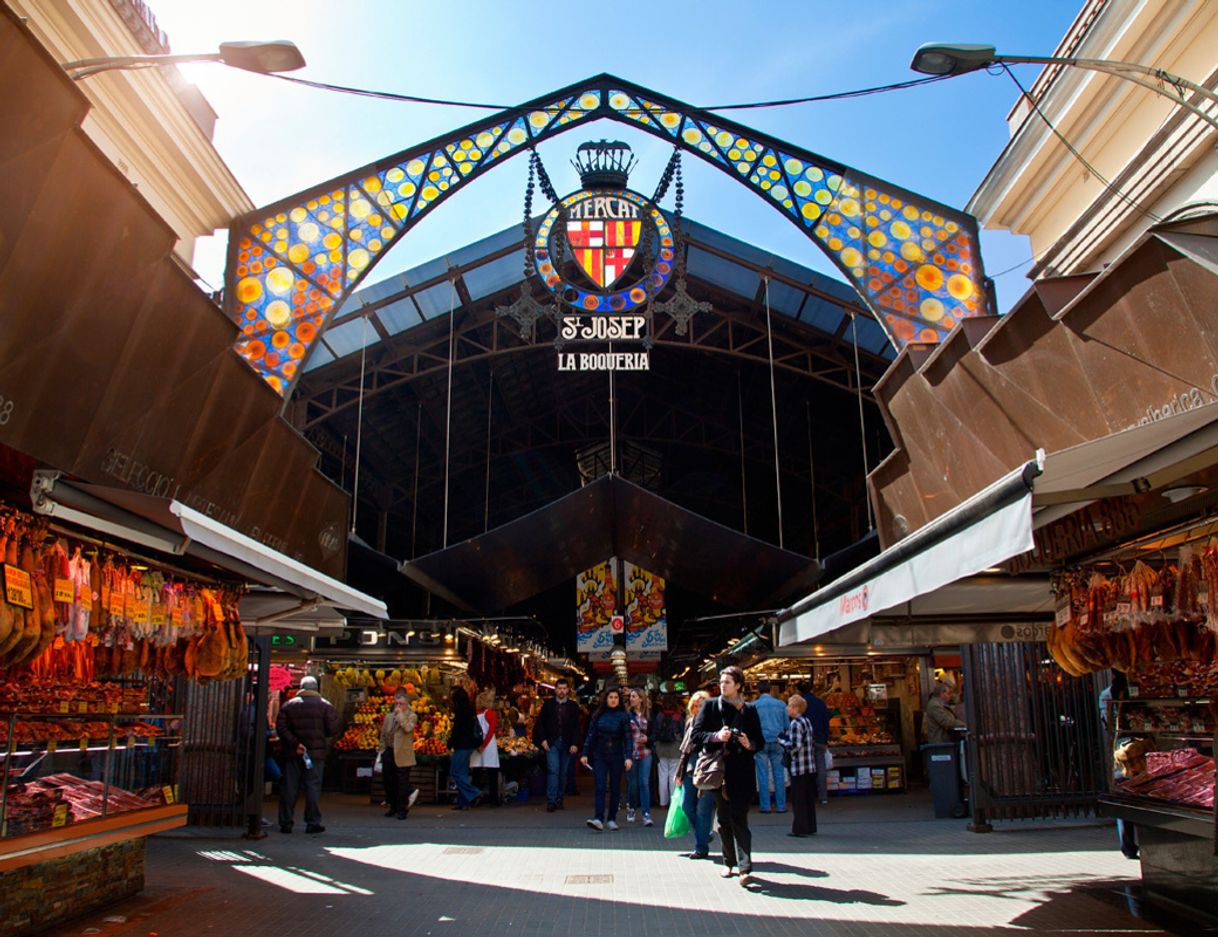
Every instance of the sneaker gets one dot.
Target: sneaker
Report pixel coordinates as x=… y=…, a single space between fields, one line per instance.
x=597 y=825
x=315 y=829
x=414 y=795
x=611 y=826
x=647 y=820
x=629 y=814
x=699 y=855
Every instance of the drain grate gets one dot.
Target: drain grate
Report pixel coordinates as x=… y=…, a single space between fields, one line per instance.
x=589 y=880
x=464 y=851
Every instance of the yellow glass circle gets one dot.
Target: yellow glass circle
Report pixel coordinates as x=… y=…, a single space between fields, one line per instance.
x=298 y=253
x=929 y=277
x=960 y=287
x=931 y=309
x=278 y=313
x=249 y=290
x=332 y=241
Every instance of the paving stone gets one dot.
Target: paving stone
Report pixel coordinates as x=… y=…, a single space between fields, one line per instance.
x=879 y=865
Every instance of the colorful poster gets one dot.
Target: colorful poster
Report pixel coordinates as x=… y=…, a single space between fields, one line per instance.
x=646 y=615
x=595 y=604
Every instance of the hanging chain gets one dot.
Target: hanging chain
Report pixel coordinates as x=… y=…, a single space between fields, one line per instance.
x=678 y=236
x=543 y=179
x=529 y=269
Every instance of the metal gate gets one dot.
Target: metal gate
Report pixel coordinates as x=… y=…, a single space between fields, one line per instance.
x=1035 y=742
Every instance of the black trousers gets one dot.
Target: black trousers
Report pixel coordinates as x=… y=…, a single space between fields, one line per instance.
x=296 y=777
x=803 y=802
x=734 y=829
x=397 y=782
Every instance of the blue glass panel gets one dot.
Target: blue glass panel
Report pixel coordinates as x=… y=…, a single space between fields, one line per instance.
x=399 y=316
x=437 y=300
x=785 y=299
x=712 y=269
x=350 y=336
x=822 y=314
x=871 y=336
x=495 y=276
x=321 y=356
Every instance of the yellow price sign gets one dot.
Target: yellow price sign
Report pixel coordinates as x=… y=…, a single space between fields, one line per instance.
x=82 y=707
x=131 y=741
x=167 y=790
x=18 y=587
x=84 y=744
x=52 y=745
x=60 y=816
x=63 y=705
x=64 y=593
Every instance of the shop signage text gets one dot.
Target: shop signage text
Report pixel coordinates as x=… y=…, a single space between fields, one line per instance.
x=853 y=602
x=604 y=361
x=1087 y=528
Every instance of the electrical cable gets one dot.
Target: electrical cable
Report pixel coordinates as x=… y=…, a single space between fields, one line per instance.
x=750 y=105
x=1074 y=152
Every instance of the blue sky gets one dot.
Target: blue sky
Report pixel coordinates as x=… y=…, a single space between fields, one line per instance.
x=938 y=140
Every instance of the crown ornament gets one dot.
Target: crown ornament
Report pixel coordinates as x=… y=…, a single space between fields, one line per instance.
x=604 y=164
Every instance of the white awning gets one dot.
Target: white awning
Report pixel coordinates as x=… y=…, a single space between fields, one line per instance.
x=172 y=527
x=987 y=529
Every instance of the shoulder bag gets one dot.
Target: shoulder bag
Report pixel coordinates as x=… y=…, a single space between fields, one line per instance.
x=711 y=767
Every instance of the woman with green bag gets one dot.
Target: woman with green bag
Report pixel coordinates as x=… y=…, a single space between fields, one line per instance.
x=697 y=807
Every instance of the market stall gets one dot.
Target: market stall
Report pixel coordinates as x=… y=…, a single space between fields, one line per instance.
x=873 y=703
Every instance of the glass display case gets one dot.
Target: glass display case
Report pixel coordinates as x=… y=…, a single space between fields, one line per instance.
x=1165 y=751
x=63 y=769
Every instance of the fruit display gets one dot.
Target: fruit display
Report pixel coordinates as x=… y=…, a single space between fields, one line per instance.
x=364 y=732
x=432 y=728
x=1141 y=619
x=853 y=724
x=519 y=746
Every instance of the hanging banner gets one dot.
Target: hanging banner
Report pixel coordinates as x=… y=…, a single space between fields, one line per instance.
x=595 y=606
x=646 y=616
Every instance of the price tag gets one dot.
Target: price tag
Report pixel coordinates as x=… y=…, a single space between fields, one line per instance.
x=1182 y=692
x=1124 y=608
x=18 y=588
x=1133 y=691
x=52 y=745
x=1083 y=619
x=1199 y=726
x=1156 y=601
x=82 y=707
x=140 y=613
x=1062 y=617
x=64 y=592
x=84 y=744
x=131 y=741
x=118 y=605
x=167 y=790
x=113 y=743
x=175 y=615
x=60 y=816
x=63 y=706
x=158 y=616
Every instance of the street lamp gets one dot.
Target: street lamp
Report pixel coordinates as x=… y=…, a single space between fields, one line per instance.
x=279 y=55
x=941 y=58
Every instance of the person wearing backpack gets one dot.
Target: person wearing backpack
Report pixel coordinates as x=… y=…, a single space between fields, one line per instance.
x=667 y=732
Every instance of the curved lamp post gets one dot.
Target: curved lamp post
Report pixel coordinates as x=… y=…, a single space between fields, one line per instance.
x=279 y=55
x=939 y=58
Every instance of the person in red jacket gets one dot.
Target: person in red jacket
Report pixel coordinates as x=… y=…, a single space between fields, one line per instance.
x=305 y=725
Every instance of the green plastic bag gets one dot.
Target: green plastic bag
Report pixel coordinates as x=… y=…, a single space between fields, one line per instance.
x=677 y=824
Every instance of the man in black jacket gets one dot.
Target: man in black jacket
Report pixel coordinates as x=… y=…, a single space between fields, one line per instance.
x=556 y=731
x=305 y=725
x=730 y=725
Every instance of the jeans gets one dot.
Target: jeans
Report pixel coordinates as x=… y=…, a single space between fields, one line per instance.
x=638 y=791
x=608 y=773
x=295 y=777
x=459 y=772
x=820 y=749
x=558 y=761
x=770 y=760
x=699 y=806
x=664 y=773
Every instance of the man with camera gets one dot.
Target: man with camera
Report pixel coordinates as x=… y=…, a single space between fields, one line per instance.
x=729 y=725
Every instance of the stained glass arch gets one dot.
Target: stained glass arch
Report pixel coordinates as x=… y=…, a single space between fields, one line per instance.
x=915 y=262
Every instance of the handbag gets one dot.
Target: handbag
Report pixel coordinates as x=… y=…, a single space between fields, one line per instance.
x=711 y=767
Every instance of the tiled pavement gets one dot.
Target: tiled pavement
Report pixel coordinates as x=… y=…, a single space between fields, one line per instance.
x=879 y=866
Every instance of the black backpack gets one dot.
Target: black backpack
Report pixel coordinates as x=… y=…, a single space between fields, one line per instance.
x=668 y=729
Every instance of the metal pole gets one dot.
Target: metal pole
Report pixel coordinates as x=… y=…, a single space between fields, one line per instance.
x=253 y=800
x=448 y=416
x=612 y=422
x=359 y=421
x=414 y=500
x=744 y=486
x=769 y=337
x=812 y=483
x=486 y=500
x=858 y=386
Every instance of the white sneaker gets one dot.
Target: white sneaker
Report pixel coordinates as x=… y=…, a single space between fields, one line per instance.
x=611 y=826
x=598 y=826
x=647 y=819
x=414 y=795
x=629 y=814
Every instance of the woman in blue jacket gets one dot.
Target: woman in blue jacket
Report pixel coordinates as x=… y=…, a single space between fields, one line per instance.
x=608 y=744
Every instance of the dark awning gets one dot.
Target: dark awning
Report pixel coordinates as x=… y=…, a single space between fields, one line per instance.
x=612 y=517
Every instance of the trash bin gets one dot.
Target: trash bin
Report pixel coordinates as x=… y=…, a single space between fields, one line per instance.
x=943 y=773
